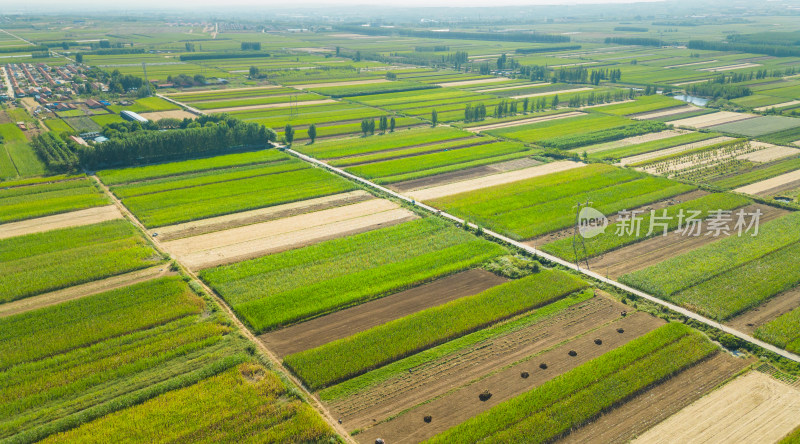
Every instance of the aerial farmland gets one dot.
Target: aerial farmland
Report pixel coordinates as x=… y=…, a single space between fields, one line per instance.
x=337 y=224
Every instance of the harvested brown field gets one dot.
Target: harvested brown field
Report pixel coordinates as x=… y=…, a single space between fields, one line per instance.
x=708 y=120
x=462 y=404
x=274 y=105
x=767 y=152
x=238 y=244
x=777 y=105
x=495 y=179
x=665 y=112
x=635 y=140
x=752 y=408
x=674 y=150
x=347 y=322
x=235 y=220
x=352 y=82
x=773 y=185
x=64 y=220
x=477 y=129
x=441 y=375
x=647 y=409
x=474 y=82
x=465 y=174
x=551 y=93
x=80 y=291
x=652 y=251
x=776 y=306
x=174 y=114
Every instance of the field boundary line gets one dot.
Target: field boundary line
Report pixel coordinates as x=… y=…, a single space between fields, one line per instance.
x=273 y=358
x=680 y=310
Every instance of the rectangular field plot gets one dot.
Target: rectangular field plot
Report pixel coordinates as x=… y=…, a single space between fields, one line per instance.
x=783 y=331
x=641 y=105
x=81 y=360
x=217 y=190
x=536 y=206
x=41 y=262
x=398 y=140
x=572 y=398
x=35 y=200
x=537 y=132
x=759 y=126
x=288 y=287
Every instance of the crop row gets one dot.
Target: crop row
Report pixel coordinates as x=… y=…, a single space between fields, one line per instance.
x=267 y=100
x=294 y=285
x=349 y=357
x=433 y=160
x=564 y=127
x=759 y=173
x=371 y=88
x=26 y=202
x=171 y=169
x=573 y=398
x=447 y=168
x=342 y=129
x=587 y=138
x=41 y=262
x=641 y=105
x=617 y=235
x=230 y=94
x=783 y=331
x=408 y=152
x=185 y=204
x=681 y=272
x=382 y=142
x=647 y=147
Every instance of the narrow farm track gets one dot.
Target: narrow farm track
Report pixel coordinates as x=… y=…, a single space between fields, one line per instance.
x=675 y=308
x=277 y=365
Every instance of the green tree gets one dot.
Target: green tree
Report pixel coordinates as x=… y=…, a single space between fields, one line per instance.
x=555 y=101
x=434 y=118
x=288 y=133
x=78 y=58
x=391 y=124
x=253 y=72
x=312 y=132
x=384 y=124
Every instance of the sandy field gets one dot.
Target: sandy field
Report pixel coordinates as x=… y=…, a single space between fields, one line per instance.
x=64 y=220
x=552 y=93
x=474 y=82
x=477 y=129
x=495 y=179
x=664 y=112
x=730 y=67
x=352 y=82
x=228 y=221
x=708 y=120
x=272 y=105
x=765 y=186
x=635 y=140
x=256 y=240
x=174 y=114
x=673 y=150
x=777 y=105
x=752 y=408
x=80 y=291
x=768 y=152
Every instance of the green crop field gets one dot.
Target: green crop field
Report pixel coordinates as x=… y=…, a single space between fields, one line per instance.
x=223 y=94
x=571 y=399
x=564 y=127
x=759 y=173
x=26 y=202
x=632 y=129
x=532 y=207
x=783 y=331
x=641 y=105
x=26 y=162
x=42 y=262
x=371 y=88
x=266 y=100
x=759 y=126
x=616 y=235
x=105 y=119
x=349 y=357
x=147 y=104
x=600 y=152
x=294 y=285
x=381 y=142
x=57 y=125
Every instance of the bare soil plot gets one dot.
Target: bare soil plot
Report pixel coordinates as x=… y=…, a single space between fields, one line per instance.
x=274 y=105
x=775 y=184
x=352 y=82
x=80 y=291
x=64 y=220
x=753 y=408
x=636 y=416
x=235 y=220
x=563 y=91
x=635 y=140
x=777 y=105
x=460 y=405
x=474 y=82
x=652 y=251
x=676 y=149
x=347 y=322
x=173 y=114
x=730 y=67
x=776 y=306
x=767 y=152
x=465 y=174
x=496 y=179
x=431 y=379
x=237 y=244
x=477 y=129
x=707 y=120
x=665 y=112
